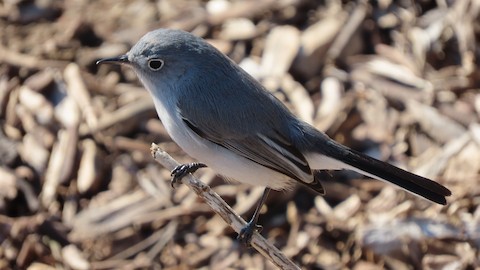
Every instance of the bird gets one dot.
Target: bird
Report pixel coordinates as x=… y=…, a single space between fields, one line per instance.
x=225 y=119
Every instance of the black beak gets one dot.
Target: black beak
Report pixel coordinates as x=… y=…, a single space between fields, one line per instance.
x=122 y=59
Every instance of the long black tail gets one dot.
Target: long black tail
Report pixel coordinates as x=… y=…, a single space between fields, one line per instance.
x=364 y=164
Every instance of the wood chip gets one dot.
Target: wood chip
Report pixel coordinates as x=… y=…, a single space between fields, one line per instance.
x=89 y=165
x=59 y=165
x=281 y=47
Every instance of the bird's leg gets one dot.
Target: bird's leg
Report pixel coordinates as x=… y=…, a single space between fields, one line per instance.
x=181 y=170
x=245 y=235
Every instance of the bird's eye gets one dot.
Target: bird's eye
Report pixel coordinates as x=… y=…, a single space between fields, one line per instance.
x=155 y=64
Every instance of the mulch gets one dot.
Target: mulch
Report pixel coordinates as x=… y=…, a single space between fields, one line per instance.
x=397 y=80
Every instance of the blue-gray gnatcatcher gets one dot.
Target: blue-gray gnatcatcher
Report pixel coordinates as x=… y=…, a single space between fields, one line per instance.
x=221 y=116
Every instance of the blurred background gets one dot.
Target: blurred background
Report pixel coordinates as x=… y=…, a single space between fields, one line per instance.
x=398 y=80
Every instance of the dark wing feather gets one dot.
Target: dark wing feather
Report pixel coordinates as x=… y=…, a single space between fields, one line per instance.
x=274 y=153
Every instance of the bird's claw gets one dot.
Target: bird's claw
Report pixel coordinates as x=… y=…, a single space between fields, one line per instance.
x=182 y=170
x=246 y=233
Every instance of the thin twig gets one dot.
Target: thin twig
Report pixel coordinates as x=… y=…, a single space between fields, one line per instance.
x=225 y=211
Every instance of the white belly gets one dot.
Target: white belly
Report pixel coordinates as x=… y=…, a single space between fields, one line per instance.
x=220 y=159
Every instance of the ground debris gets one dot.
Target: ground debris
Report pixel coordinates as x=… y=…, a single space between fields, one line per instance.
x=398 y=80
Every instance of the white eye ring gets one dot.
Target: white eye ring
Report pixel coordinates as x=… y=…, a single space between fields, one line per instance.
x=155 y=64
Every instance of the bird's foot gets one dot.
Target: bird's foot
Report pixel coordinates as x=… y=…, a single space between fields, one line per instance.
x=182 y=170
x=246 y=233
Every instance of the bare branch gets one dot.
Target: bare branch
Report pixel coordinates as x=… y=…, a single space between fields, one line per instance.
x=225 y=211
